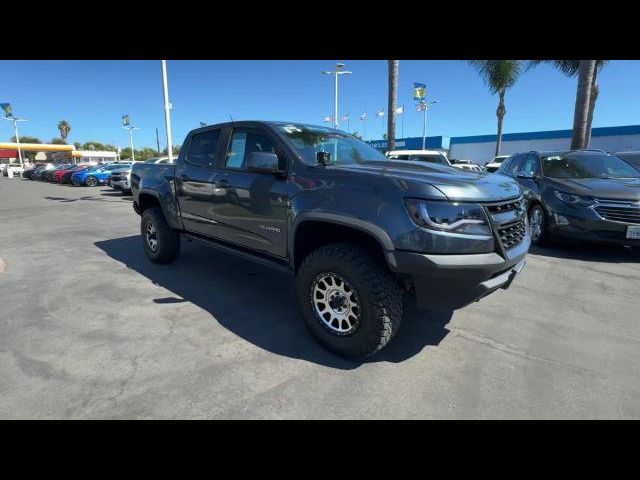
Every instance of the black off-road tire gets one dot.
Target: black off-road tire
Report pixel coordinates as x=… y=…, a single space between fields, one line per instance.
x=167 y=239
x=378 y=291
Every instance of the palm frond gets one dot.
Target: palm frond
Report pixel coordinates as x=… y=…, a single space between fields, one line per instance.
x=498 y=75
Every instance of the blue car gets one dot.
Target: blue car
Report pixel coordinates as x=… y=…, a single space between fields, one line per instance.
x=96 y=175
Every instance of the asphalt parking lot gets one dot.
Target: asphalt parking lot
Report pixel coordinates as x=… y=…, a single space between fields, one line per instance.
x=89 y=328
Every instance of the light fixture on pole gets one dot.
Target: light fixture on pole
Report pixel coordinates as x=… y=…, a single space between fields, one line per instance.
x=167 y=108
x=338 y=71
x=9 y=116
x=126 y=124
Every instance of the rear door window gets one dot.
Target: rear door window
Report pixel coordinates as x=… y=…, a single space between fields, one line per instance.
x=203 y=148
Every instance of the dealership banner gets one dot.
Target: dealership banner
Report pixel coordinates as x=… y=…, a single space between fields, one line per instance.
x=8 y=113
x=419 y=91
x=125 y=120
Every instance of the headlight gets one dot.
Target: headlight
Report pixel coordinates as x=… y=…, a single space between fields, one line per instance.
x=460 y=218
x=566 y=197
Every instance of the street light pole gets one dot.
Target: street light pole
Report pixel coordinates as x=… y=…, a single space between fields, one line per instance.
x=131 y=129
x=17 y=135
x=424 y=123
x=167 y=108
x=338 y=71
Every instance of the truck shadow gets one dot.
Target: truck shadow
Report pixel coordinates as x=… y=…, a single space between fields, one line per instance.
x=259 y=304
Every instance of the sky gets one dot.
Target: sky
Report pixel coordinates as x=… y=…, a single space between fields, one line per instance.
x=93 y=95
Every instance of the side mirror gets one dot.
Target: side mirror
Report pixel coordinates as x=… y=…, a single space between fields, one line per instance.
x=263 y=162
x=526 y=176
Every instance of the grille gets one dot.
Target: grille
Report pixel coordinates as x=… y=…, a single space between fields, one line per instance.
x=116 y=178
x=621 y=213
x=505 y=207
x=512 y=235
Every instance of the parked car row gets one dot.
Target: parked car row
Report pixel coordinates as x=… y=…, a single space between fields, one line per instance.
x=76 y=174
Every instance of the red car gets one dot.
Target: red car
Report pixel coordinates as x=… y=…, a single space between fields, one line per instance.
x=65 y=175
x=58 y=174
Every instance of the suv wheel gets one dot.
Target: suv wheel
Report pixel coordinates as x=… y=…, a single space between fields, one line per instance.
x=350 y=301
x=91 y=181
x=538 y=225
x=161 y=242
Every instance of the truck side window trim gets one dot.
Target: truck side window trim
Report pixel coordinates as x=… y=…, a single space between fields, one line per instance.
x=212 y=150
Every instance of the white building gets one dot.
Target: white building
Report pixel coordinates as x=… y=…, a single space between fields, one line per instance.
x=480 y=149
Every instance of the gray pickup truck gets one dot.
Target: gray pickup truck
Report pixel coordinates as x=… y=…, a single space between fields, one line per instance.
x=357 y=229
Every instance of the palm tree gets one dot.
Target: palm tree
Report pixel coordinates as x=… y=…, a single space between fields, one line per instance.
x=571 y=68
x=64 y=128
x=586 y=71
x=393 y=93
x=499 y=75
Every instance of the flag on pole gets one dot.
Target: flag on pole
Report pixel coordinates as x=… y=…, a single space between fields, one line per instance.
x=328 y=119
x=8 y=113
x=363 y=116
x=419 y=91
x=421 y=107
x=125 y=120
x=345 y=118
x=400 y=110
x=380 y=113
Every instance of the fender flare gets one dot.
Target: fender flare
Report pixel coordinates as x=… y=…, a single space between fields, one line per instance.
x=379 y=234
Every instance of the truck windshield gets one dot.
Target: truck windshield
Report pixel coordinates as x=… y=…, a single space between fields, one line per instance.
x=430 y=158
x=587 y=166
x=341 y=148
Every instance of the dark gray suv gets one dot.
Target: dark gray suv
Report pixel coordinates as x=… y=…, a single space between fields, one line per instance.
x=584 y=194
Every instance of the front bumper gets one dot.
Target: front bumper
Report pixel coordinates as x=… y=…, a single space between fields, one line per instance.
x=450 y=282
x=124 y=184
x=584 y=224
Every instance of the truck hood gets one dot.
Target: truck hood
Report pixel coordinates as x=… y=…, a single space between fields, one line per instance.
x=121 y=170
x=456 y=184
x=613 y=188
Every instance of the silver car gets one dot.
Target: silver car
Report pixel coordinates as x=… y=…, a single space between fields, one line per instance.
x=121 y=177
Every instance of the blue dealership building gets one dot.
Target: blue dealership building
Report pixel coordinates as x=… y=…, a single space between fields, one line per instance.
x=481 y=148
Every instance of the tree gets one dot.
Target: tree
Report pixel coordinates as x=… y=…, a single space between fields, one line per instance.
x=58 y=141
x=27 y=139
x=393 y=93
x=586 y=71
x=175 y=149
x=357 y=135
x=570 y=68
x=64 y=128
x=92 y=145
x=78 y=145
x=499 y=76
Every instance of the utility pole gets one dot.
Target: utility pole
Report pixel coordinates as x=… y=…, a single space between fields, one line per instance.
x=158 y=141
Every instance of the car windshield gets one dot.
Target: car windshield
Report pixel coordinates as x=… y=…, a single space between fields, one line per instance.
x=430 y=158
x=632 y=158
x=578 y=165
x=339 y=147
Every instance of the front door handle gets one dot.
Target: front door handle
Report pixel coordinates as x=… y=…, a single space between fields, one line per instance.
x=222 y=183
x=184 y=178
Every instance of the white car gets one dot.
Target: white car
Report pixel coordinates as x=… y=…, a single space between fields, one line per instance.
x=14 y=170
x=467 y=165
x=430 y=156
x=121 y=178
x=494 y=164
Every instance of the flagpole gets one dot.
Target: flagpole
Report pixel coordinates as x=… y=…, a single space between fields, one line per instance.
x=424 y=126
x=403 y=122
